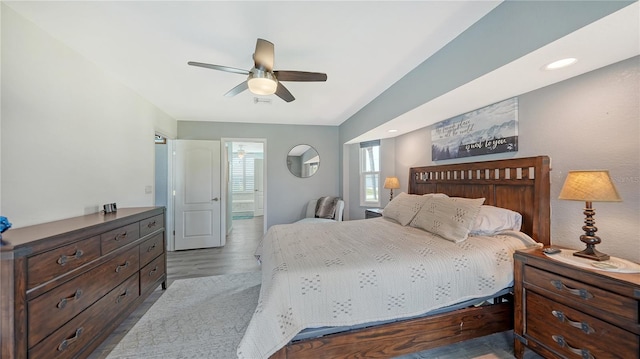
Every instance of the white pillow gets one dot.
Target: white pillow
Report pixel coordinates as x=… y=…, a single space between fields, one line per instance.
x=449 y=217
x=404 y=207
x=493 y=220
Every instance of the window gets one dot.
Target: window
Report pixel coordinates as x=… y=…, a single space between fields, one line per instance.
x=242 y=173
x=370 y=173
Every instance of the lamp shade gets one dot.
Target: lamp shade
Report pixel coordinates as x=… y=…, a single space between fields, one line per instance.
x=589 y=186
x=391 y=183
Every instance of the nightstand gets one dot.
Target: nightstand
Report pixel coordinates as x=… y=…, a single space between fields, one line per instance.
x=564 y=311
x=372 y=213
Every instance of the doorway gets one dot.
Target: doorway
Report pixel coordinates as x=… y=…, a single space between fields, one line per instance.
x=245 y=180
x=164 y=183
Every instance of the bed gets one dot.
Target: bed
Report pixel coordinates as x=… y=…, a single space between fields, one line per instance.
x=521 y=185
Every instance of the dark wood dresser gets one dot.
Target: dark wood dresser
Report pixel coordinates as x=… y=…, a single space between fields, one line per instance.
x=66 y=285
x=565 y=311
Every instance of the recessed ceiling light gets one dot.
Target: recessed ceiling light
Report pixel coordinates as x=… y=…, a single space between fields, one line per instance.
x=560 y=63
x=392 y=131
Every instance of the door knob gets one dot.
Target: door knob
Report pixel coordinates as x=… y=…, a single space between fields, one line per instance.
x=215 y=199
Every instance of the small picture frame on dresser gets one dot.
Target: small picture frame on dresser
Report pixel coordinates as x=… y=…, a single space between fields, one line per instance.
x=110 y=207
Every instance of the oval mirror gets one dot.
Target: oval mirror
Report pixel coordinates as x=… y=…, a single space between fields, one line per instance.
x=303 y=161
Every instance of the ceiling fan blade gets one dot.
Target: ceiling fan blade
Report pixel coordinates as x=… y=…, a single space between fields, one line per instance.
x=218 y=67
x=300 y=76
x=283 y=93
x=236 y=90
x=263 y=57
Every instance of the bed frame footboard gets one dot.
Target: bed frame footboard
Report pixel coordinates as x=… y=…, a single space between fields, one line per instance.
x=404 y=337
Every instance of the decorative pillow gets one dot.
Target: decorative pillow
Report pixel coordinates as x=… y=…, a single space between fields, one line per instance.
x=493 y=220
x=449 y=217
x=326 y=207
x=403 y=207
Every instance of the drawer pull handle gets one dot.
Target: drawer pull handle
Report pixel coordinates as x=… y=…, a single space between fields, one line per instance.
x=120 y=236
x=584 y=353
x=151 y=224
x=582 y=293
x=153 y=271
x=151 y=248
x=64 y=259
x=585 y=327
x=65 y=343
x=122 y=296
x=63 y=302
x=121 y=267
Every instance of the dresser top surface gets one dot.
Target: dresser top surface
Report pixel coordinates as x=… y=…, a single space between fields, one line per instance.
x=537 y=255
x=24 y=236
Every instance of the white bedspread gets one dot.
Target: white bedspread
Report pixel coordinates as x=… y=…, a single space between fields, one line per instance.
x=346 y=273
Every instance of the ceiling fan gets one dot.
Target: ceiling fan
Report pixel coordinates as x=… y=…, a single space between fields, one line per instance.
x=262 y=79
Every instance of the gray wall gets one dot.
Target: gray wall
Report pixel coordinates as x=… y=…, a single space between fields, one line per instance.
x=287 y=195
x=587 y=122
x=510 y=31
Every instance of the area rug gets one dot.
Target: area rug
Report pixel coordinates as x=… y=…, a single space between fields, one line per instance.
x=206 y=317
x=195 y=318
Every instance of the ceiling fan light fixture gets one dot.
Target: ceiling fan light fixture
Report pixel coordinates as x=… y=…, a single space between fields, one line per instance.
x=262 y=82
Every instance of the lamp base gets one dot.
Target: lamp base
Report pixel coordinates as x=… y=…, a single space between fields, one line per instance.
x=592 y=253
x=589 y=237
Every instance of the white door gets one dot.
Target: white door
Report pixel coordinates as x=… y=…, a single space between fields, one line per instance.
x=258 y=183
x=197 y=194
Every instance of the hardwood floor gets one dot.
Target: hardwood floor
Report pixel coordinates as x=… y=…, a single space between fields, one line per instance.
x=237 y=257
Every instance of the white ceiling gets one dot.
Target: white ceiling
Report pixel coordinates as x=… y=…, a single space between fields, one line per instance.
x=363 y=47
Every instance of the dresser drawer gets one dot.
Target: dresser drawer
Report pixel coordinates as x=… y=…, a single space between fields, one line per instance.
x=571 y=332
x=119 y=237
x=150 y=225
x=67 y=341
x=592 y=299
x=49 y=311
x=151 y=273
x=46 y=266
x=151 y=248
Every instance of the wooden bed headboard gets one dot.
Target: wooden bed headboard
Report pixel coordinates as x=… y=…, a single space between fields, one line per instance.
x=519 y=184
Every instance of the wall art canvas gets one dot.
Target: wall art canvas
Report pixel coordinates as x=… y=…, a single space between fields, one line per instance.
x=491 y=129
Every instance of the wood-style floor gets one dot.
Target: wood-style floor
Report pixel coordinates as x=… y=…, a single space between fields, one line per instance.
x=237 y=257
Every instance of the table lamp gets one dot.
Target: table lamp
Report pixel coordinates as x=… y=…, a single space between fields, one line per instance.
x=391 y=183
x=590 y=186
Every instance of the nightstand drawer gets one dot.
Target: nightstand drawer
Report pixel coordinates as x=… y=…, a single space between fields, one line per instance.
x=593 y=299
x=572 y=333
